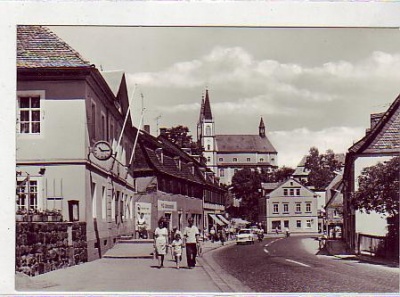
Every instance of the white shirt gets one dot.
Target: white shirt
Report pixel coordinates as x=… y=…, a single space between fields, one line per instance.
x=190 y=234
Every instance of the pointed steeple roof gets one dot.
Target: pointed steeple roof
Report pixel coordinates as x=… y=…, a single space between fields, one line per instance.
x=207 y=108
x=261 y=128
x=201 y=110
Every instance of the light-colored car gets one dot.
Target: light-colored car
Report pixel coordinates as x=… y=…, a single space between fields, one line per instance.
x=245 y=236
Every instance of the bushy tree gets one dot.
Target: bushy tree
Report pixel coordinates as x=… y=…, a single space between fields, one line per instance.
x=379 y=188
x=379 y=191
x=279 y=175
x=246 y=184
x=321 y=167
x=180 y=136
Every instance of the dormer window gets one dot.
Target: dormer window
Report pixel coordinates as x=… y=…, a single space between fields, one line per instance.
x=160 y=155
x=178 y=162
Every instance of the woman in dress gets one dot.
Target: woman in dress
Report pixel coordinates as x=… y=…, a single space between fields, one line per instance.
x=160 y=241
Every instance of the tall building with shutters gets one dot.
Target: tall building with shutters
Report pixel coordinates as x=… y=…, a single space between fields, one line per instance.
x=228 y=153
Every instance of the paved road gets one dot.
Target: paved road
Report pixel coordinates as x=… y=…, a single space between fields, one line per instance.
x=293 y=265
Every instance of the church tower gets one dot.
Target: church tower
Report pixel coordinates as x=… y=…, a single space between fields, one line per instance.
x=261 y=129
x=206 y=133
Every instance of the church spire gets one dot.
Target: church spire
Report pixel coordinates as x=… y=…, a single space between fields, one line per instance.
x=261 y=128
x=207 y=108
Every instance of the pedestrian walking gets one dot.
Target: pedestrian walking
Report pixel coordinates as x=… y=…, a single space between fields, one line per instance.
x=191 y=235
x=161 y=241
x=287 y=232
x=212 y=234
x=222 y=236
x=172 y=238
x=177 y=244
x=276 y=230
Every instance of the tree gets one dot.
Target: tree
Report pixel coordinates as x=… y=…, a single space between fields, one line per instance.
x=379 y=191
x=180 y=136
x=279 y=175
x=379 y=188
x=246 y=184
x=322 y=168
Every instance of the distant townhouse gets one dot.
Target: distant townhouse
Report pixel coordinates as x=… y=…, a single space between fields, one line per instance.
x=227 y=154
x=381 y=143
x=301 y=172
x=289 y=205
x=334 y=208
x=173 y=184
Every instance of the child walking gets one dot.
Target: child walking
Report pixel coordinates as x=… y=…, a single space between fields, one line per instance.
x=177 y=249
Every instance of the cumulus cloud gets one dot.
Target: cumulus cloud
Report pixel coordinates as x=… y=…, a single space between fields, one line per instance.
x=294 y=144
x=290 y=95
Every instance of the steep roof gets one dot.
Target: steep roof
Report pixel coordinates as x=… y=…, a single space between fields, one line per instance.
x=207 y=108
x=113 y=79
x=384 y=136
x=38 y=47
x=243 y=143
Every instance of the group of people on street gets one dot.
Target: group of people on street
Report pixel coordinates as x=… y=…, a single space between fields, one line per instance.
x=189 y=239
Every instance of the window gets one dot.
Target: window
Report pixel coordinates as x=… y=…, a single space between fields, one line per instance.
x=298 y=192
x=308 y=207
x=27 y=193
x=286 y=224
x=103 y=127
x=308 y=224
x=285 y=192
x=291 y=192
x=111 y=134
x=221 y=172
x=93 y=120
x=208 y=131
x=276 y=208
x=94 y=204
x=235 y=159
x=29 y=114
x=221 y=159
x=285 y=208
x=298 y=224
x=298 y=207
x=208 y=159
x=103 y=203
x=208 y=147
x=335 y=213
x=261 y=159
x=248 y=159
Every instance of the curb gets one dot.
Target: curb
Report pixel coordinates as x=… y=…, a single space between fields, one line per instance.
x=127 y=257
x=224 y=281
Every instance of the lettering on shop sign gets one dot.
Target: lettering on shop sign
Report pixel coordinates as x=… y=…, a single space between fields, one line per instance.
x=167 y=205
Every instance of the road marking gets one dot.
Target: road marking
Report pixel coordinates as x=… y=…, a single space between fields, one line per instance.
x=299 y=263
x=265 y=250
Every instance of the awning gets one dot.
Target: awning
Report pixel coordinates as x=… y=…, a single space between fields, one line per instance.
x=222 y=218
x=218 y=221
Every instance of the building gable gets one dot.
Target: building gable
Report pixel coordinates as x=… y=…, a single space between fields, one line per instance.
x=384 y=137
x=291 y=184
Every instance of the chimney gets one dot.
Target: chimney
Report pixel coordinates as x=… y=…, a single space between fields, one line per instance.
x=163 y=131
x=146 y=128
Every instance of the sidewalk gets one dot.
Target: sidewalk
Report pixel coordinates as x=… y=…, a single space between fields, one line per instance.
x=128 y=267
x=338 y=249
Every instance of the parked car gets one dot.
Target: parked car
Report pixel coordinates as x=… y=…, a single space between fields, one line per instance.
x=245 y=236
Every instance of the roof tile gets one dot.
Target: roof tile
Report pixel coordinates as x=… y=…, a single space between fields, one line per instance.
x=38 y=47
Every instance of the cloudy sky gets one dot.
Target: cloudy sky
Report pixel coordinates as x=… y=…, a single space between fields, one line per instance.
x=312 y=86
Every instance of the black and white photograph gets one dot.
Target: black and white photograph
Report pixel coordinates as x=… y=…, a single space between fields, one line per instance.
x=215 y=157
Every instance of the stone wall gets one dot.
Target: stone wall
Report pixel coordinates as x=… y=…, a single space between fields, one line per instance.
x=45 y=246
